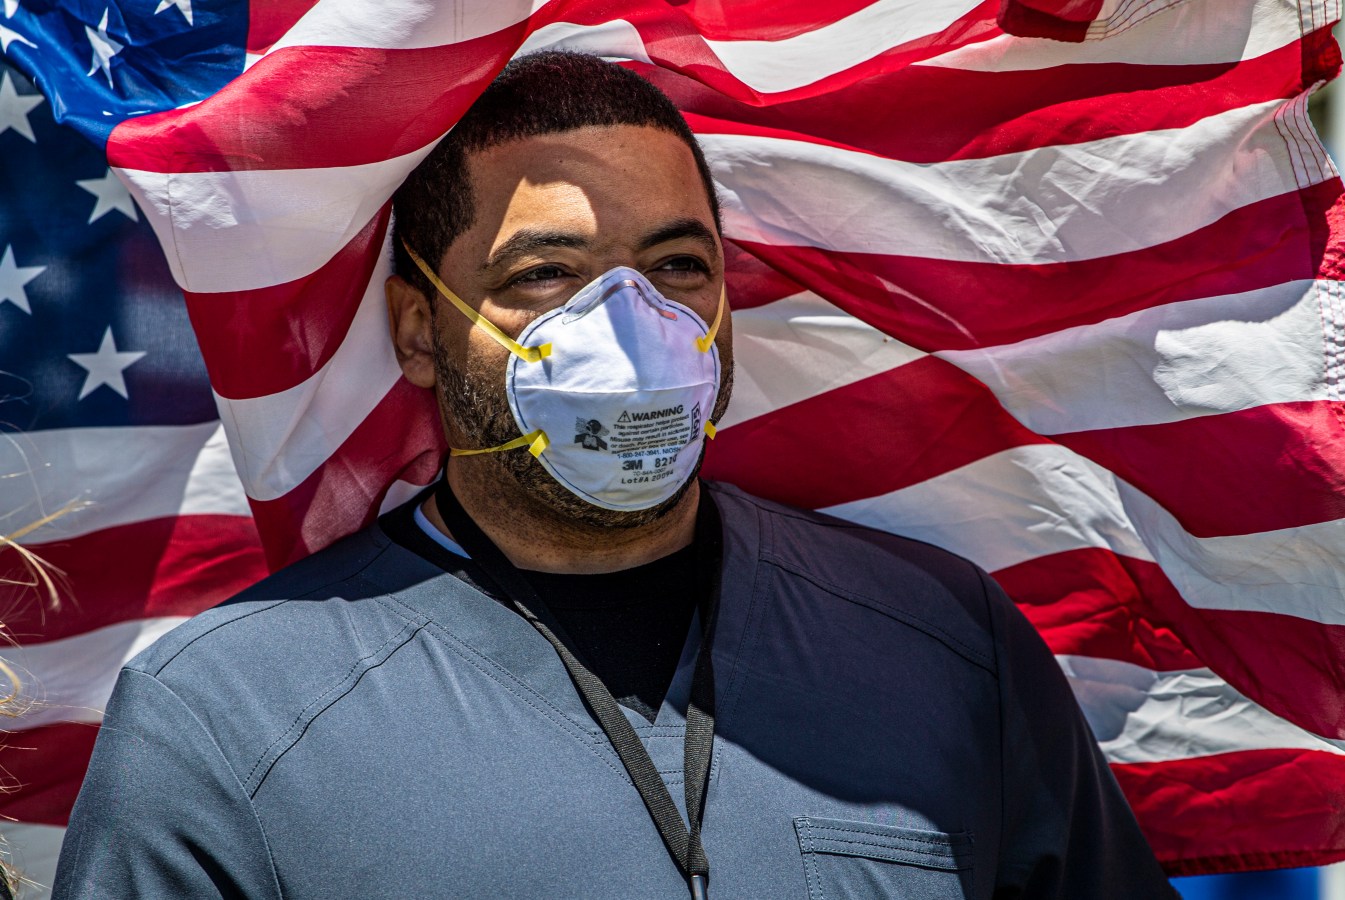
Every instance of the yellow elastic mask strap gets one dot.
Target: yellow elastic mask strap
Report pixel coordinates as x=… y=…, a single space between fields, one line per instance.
x=703 y=344
x=527 y=354
x=536 y=442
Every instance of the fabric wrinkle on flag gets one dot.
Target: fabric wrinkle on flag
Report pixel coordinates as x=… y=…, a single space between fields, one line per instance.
x=1053 y=284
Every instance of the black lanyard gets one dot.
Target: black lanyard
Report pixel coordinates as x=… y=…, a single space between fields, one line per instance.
x=682 y=842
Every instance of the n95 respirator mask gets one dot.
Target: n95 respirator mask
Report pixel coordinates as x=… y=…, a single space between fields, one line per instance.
x=613 y=391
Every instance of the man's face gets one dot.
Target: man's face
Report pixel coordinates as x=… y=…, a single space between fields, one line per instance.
x=552 y=214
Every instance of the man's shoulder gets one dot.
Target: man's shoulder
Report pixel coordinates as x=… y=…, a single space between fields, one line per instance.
x=299 y=632
x=333 y=583
x=254 y=666
x=925 y=587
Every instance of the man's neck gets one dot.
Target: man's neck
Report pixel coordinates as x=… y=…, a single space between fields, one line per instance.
x=538 y=540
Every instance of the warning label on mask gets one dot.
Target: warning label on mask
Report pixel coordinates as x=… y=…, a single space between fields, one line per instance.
x=649 y=440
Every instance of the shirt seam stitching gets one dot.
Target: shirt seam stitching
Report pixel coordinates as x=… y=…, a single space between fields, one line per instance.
x=350 y=576
x=951 y=842
x=321 y=703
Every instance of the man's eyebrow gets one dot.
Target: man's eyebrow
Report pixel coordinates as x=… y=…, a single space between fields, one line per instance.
x=529 y=240
x=682 y=228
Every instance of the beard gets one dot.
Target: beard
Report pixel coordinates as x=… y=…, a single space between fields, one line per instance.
x=473 y=403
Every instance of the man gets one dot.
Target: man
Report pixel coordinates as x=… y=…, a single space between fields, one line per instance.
x=571 y=669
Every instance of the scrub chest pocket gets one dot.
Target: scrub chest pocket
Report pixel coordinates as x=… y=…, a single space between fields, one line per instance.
x=844 y=860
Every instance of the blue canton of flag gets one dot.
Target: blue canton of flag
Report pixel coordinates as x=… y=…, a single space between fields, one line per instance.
x=93 y=331
x=101 y=62
x=92 y=328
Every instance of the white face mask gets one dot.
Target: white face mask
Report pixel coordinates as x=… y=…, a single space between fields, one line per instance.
x=612 y=392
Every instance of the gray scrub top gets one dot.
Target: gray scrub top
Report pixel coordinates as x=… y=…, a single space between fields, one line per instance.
x=363 y=724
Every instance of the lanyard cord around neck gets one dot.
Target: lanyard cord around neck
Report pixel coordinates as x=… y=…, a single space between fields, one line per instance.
x=683 y=843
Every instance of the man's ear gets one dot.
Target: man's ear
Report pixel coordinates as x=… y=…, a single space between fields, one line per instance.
x=410 y=324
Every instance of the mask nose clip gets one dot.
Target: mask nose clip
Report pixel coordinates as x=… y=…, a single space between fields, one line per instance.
x=598 y=298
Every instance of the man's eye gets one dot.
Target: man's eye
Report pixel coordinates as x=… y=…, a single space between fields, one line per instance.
x=684 y=264
x=539 y=275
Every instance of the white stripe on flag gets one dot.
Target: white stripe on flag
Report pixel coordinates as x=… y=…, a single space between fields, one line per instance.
x=404 y=24
x=783 y=64
x=1290 y=572
x=1050 y=204
x=1040 y=499
x=70 y=680
x=1139 y=715
x=617 y=39
x=242 y=230
x=1210 y=33
x=799 y=347
x=1008 y=508
x=399 y=492
x=125 y=475
x=772 y=66
x=1165 y=364
x=34 y=850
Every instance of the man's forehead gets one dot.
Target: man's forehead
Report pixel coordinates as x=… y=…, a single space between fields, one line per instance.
x=601 y=164
x=634 y=183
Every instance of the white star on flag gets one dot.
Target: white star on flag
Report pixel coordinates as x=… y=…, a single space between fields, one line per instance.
x=183 y=6
x=11 y=7
x=106 y=367
x=15 y=107
x=8 y=37
x=104 y=48
x=13 y=277
x=111 y=194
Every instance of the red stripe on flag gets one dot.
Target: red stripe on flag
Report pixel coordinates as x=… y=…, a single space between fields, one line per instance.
x=1279 y=661
x=1059 y=20
x=879 y=434
x=1282 y=662
x=163 y=567
x=280 y=113
x=42 y=770
x=300 y=323
x=400 y=439
x=717 y=20
x=751 y=282
x=1232 y=812
x=936 y=304
x=1001 y=112
x=268 y=20
x=1092 y=602
x=1294 y=453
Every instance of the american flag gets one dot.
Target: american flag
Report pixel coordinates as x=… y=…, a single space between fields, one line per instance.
x=1051 y=283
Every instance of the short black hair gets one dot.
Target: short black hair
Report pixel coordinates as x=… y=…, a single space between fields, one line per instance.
x=542 y=93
